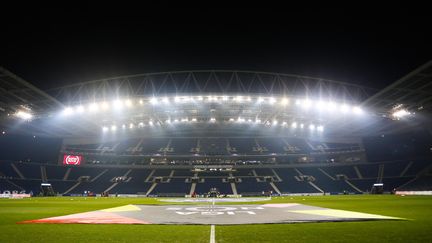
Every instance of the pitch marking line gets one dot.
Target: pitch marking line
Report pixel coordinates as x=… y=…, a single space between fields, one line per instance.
x=212 y=234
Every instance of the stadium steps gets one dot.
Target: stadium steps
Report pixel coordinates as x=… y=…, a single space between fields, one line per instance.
x=99 y=175
x=13 y=184
x=66 y=175
x=275 y=188
x=327 y=174
x=315 y=186
x=192 y=189
x=352 y=186
x=276 y=175
x=116 y=183
x=151 y=188
x=17 y=171
x=234 y=188
x=422 y=172
x=359 y=175
x=254 y=173
x=406 y=168
x=380 y=173
x=72 y=187
x=150 y=176
x=43 y=174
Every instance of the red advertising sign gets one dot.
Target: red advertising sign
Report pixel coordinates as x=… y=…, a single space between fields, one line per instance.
x=72 y=159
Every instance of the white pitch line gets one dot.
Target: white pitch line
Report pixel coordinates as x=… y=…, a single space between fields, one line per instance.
x=212 y=234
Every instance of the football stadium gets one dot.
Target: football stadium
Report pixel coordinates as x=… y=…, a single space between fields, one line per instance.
x=216 y=156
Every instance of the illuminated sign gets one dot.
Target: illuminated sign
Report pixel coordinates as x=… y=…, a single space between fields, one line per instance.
x=72 y=159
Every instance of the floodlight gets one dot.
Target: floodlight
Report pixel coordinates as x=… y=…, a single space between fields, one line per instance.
x=153 y=101
x=212 y=119
x=275 y=122
x=93 y=107
x=184 y=120
x=257 y=120
x=141 y=124
x=177 y=99
x=260 y=99
x=284 y=101
x=345 y=108
x=67 y=111
x=104 y=106
x=357 y=110
x=128 y=103
x=165 y=100
x=306 y=104
x=224 y=98
x=24 y=115
x=272 y=100
x=194 y=119
x=284 y=123
x=320 y=128
x=150 y=123
x=301 y=125
x=312 y=127
x=231 y=119
x=176 y=120
x=113 y=128
x=331 y=106
x=200 y=98
x=239 y=98
x=401 y=113
x=118 y=104
x=104 y=128
x=80 y=109
x=249 y=98
x=123 y=126
x=141 y=101
x=131 y=125
x=294 y=125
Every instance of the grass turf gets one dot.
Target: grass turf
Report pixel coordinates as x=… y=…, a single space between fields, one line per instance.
x=417 y=209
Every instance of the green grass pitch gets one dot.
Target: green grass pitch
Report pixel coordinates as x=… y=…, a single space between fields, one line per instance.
x=417 y=209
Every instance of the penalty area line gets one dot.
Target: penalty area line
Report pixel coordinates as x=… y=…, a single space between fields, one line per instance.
x=212 y=234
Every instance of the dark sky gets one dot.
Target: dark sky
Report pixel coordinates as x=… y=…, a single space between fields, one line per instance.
x=52 y=47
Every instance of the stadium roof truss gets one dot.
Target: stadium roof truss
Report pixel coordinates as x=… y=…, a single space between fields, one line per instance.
x=414 y=91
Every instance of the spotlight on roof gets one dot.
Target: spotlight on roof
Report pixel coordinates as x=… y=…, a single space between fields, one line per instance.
x=104 y=106
x=272 y=100
x=128 y=103
x=80 y=109
x=153 y=101
x=284 y=101
x=118 y=104
x=93 y=107
x=104 y=129
x=357 y=110
x=260 y=99
x=306 y=104
x=67 y=111
x=165 y=100
x=24 y=115
x=401 y=113
x=131 y=125
x=212 y=119
x=294 y=125
x=344 y=108
x=320 y=128
x=312 y=127
x=275 y=122
x=113 y=128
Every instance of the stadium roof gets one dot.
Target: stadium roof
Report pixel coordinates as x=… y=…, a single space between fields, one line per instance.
x=412 y=93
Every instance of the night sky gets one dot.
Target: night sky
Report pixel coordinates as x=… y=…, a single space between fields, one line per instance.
x=54 y=47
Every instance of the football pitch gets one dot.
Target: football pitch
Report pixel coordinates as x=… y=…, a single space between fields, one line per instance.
x=415 y=210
